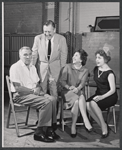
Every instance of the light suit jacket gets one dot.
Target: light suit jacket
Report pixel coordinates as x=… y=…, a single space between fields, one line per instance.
x=58 y=56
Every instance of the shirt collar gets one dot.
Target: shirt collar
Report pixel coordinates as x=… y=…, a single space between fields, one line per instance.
x=81 y=69
x=23 y=65
x=51 y=38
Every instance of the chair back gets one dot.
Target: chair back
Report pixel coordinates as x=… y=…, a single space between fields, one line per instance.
x=9 y=89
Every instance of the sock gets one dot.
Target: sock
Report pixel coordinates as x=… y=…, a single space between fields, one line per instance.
x=39 y=130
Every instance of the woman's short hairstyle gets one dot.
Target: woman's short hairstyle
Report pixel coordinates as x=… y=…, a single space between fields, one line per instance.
x=104 y=54
x=83 y=56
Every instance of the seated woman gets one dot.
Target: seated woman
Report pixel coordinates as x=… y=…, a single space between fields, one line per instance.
x=106 y=94
x=73 y=79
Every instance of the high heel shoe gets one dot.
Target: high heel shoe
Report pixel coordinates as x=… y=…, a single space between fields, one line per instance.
x=88 y=130
x=73 y=135
x=107 y=134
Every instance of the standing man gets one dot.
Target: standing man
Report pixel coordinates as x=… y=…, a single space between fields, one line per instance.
x=27 y=90
x=50 y=49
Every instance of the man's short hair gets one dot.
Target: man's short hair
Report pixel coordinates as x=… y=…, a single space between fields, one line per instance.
x=24 y=47
x=50 y=22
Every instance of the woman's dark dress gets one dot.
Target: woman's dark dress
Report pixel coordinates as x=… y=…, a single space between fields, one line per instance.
x=102 y=88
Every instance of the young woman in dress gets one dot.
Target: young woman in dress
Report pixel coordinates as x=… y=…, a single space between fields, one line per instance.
x=73 y=79
x=106 y=94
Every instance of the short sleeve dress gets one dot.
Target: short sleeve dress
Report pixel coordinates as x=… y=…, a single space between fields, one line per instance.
x=72 y=76
x=102 y=88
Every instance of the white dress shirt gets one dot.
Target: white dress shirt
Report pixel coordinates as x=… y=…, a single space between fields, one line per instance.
x=21 y=74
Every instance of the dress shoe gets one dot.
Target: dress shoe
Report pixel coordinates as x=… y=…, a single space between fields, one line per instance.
x=73 y=135
x=52 y=134
x=43 y=138
x=56 y=136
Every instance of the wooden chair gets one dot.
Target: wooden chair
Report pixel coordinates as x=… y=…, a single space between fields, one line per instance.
x=114 y=117
x=12 y=109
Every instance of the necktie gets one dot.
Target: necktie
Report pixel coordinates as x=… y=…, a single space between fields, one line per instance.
x=49 y=49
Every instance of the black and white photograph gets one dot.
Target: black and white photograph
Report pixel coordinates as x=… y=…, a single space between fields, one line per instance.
x=61 y=74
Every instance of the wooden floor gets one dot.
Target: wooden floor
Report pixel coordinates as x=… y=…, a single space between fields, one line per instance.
x=83 y=138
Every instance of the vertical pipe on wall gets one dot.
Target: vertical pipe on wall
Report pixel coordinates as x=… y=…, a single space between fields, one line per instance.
x=3 y=33
x=44 y=15
x=73 y=25
x=56 y=16
x=73 y=19
x=70 y=28
x=3 y=74
x=75 y=16
x=70 y=17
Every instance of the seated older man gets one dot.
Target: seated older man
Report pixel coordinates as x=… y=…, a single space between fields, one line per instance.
x=27 y=91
